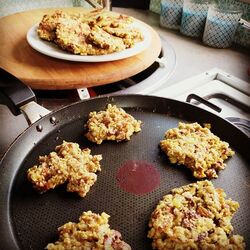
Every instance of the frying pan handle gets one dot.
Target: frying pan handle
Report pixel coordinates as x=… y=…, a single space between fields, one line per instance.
x=202 y=100
x=14 y=93
x=19 y=97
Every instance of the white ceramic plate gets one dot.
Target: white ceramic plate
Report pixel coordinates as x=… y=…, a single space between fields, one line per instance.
x=52 y=50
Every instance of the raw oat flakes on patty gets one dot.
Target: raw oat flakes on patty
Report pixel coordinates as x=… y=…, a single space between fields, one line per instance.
x=195 y=217
x=68 y=164
x=197 y=148
x=113 y=124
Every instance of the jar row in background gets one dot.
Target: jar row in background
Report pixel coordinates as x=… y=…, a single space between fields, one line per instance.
x=215 y=24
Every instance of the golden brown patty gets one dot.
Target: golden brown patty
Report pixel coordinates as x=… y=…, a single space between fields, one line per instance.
x=130 y=36
x=112 y=124
x=195 y=216
x=47 y=27
x=84 y=34
x=104 y=40
x=104 y=18
x=91 y=232
x=67 y=164
x=72 y=36
x=197 y=148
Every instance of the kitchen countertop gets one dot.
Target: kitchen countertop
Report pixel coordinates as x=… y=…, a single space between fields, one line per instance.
x=192 y=58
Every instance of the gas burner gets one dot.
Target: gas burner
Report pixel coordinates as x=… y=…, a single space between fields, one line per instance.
x=242 y=124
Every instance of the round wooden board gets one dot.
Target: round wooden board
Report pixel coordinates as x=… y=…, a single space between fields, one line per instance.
x=44 y=72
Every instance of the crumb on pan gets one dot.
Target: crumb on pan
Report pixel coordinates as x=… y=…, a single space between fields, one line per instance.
x=67 y=164
x=197 y=148
x=112 y=124
x=195 y=216
x=91 y=232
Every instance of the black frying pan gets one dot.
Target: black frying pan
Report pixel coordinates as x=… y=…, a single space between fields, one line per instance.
x=30 y=220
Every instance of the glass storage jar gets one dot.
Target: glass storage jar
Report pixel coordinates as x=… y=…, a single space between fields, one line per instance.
x=221 y=26
x=194 y=17
x=171 y=11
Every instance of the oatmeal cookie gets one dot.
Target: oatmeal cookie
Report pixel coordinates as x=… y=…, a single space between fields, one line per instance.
x=67 y=164
x=47 y=27
x=112 y=124
x=130 y=36
x=91 y=232
x=71 y=35
x=104 y=18
x=84 y=33
x=104 y=40
x=195 y=216
x=197 y=148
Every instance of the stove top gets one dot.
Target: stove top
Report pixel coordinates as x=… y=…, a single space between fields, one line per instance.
x=213 y=90
x=217 y=92
x=149 y=80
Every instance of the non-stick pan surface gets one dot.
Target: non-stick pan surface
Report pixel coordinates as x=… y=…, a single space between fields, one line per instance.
x=30 y=220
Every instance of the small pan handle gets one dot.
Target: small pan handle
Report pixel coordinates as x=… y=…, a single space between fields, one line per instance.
x=202 y=100
x=19 y=98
